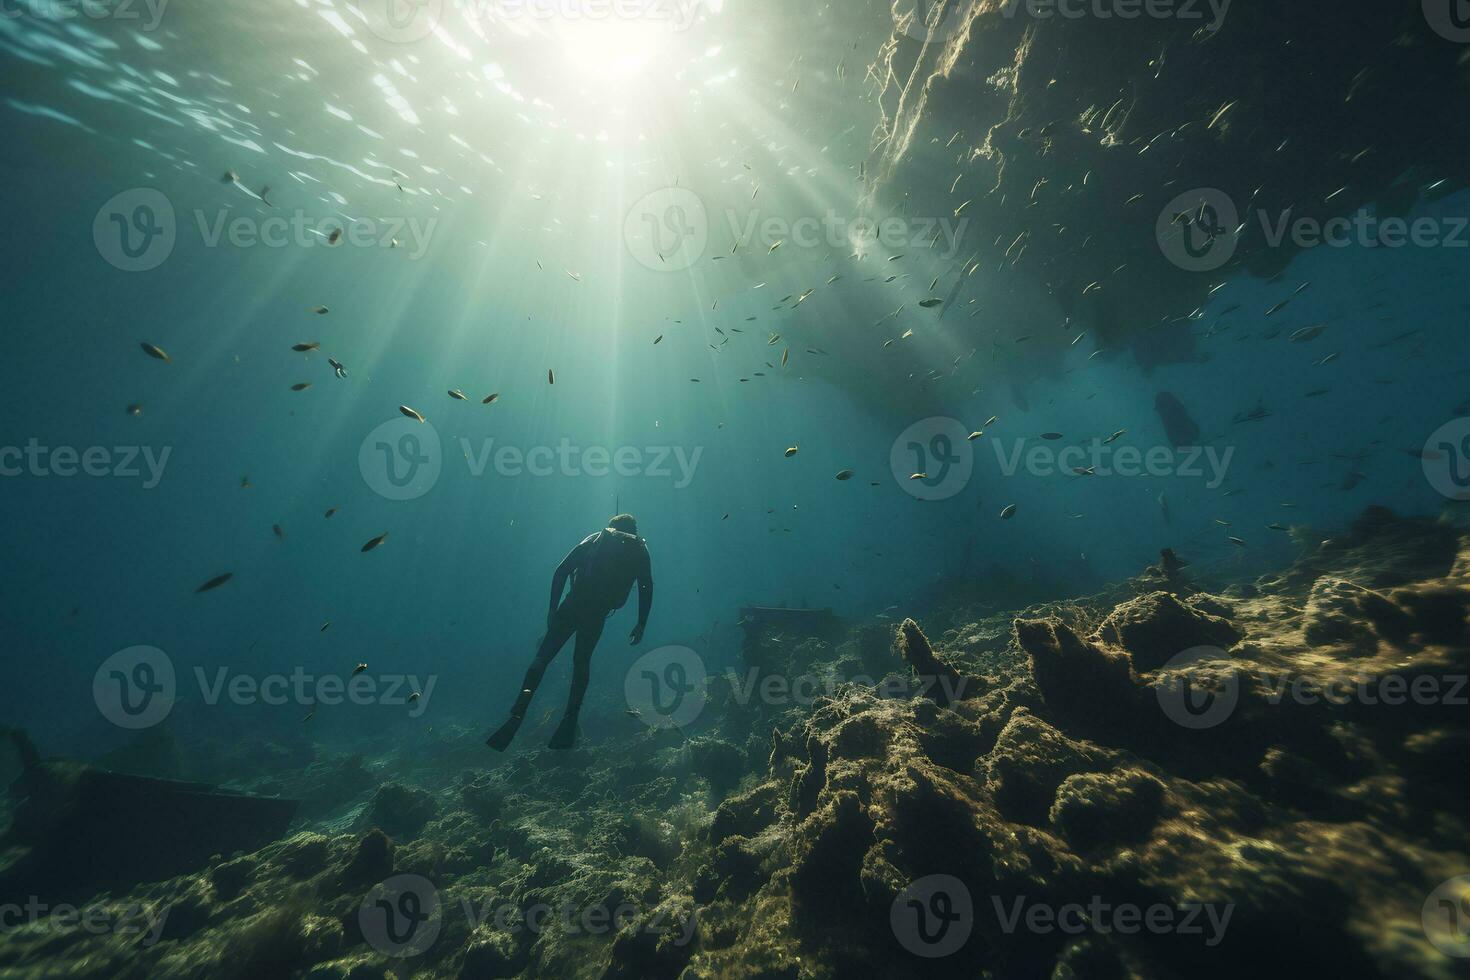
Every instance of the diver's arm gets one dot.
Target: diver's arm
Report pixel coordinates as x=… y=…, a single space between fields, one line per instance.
x=645 y=598
x=559 y=578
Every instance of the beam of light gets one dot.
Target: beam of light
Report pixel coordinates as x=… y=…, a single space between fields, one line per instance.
x=612 y=52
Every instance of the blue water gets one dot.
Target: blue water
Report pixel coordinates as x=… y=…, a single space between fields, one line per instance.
x=516 y=192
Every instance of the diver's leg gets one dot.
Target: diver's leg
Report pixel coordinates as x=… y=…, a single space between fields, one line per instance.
x=556 y=637
x=589 y=631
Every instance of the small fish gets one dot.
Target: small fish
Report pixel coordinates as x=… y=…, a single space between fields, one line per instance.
x=245 y=482
x=301 y=386
x=929 y=304
x=844 y=474
x=156 y=352
x=135 y=409
x=975 y=435
x=1238 y=542
x=411 y=413
x=309 y=716
x=918 y=476
x=1307 y=333
x=658 y=338
x=230 y=177
x=359 y=669
x=792 y=451
x=335 y=236
x=491 y=399
x=337 y=367
x=303 y=348
x=324 y=626
x=990 y=421
x=1009 y=512
x=1085 y=470
x=550 y=377
x=375 y=542
x=330 y=512
x=1052 y=436
x=279 y=533
x=1114 y=437
x=458 y=395
x=215 y=582
x=318 y=310
x=414 y=696
x=1278 y=527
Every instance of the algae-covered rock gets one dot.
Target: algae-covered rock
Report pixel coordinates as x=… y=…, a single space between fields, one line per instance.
x=656 y=946
x=1156 y=627
x=401 y=811
x=1107 y=809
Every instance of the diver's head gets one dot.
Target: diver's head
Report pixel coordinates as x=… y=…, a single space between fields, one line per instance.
x=624 y=523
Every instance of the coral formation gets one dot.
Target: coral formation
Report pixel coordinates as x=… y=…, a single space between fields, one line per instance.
x=1282 y=804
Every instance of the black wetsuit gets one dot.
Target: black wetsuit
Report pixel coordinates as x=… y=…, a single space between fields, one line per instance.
x=603 y=570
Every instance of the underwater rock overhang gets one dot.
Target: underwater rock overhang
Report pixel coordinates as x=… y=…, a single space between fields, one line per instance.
x=1077 y=133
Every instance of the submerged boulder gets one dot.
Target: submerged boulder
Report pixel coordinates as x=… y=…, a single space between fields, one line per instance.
x=401 y=811
x=1156 y=627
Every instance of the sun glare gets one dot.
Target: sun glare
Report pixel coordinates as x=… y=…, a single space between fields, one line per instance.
x=612 y=50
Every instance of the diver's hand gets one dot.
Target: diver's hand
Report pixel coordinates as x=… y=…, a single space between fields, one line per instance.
x=635 y=637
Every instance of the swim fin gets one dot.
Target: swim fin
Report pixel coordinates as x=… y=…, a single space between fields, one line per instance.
x=565 y=735
x=503 y=735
